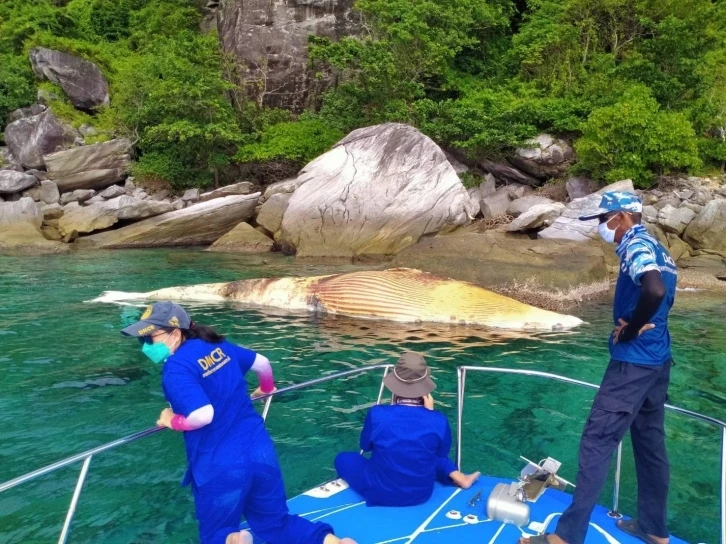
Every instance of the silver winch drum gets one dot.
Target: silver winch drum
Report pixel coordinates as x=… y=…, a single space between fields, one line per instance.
x=505 y=504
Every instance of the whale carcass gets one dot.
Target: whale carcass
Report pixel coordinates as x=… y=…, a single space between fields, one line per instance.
x=399 y=294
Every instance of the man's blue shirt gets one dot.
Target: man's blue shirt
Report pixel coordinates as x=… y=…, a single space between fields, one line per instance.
x=639 y=253
x=201 y=373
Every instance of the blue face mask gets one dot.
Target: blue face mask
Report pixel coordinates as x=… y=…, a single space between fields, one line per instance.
x=158 y=352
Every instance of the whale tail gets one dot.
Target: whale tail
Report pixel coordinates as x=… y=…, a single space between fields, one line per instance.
x=121 y=297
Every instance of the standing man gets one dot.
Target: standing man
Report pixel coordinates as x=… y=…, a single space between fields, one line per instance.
x=633 y=391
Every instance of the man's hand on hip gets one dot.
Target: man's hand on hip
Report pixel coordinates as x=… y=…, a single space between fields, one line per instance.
x=622 y=334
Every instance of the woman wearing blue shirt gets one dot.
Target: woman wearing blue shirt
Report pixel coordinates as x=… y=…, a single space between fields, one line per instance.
x=232 y=468
x=409 y=443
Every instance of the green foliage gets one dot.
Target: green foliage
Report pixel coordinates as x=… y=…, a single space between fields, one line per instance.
x=634 y=138
x=639 y=85
x=173 y=98
x=167 y=89
x=299 y=141
x=104 y=122
x=16 y=84
x=485 y=75
x=470 y=180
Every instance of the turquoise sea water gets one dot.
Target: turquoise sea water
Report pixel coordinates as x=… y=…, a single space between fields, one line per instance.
x=69 y=382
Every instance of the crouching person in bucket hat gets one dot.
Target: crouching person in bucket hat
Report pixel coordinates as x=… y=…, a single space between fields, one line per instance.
x=408 y=440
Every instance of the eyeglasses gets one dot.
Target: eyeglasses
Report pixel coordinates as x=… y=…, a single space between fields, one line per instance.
x=605 y=218
x=150 y=338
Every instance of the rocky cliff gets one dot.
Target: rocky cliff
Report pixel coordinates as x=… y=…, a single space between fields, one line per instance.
x=268 y=39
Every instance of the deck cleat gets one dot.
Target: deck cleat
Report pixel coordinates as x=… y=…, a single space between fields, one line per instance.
x=453 y=514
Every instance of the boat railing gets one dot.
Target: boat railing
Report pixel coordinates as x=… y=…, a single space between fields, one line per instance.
x=462 y=371
x=461 y=390
x=86 y=456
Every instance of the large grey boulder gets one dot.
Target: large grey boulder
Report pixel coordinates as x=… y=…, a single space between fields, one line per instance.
x=708 y=228
x=519 y=206
x=112 y=192
x=87 y=219
x=569 y=227
x=104 y=214
x=30 y=138
x=625 y=185
x=241 y=188
x=474 y=200
x=495 y=205
x=201 y=224
x=52 y=211
x=272 y=211
x=675 y=220
x=244 y=238
x=24 y=210
x=79 y=195
x=377 y=191
x=540 y=215
x=677 y=247
x=282 y=187
x=20 y=223
x=577 y=187
x=269 y=40
x=47 y=192
x=26 y=239
x=14 y=182
x=544 y=157
x=133 y=210
x=90 y=166
x=672 y=200
x=190 y=195
x=506 y=172
x=8 y=160
x=81 y=80
x=22 y=113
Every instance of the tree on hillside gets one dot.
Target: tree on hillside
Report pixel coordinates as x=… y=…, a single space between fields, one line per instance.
x=635 y=138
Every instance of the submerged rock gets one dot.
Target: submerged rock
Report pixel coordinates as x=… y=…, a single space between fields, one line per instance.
x=244 y=238
x=494 y=260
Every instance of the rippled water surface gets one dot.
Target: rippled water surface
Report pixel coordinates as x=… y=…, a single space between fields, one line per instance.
x=69 y=382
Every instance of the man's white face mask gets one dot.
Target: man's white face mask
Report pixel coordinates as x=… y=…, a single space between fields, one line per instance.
x=606 y=233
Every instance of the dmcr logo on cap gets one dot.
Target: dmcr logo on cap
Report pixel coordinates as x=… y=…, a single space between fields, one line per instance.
x=147 y=312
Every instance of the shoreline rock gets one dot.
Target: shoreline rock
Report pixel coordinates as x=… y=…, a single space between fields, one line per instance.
x=380 y=189
x=201 y=224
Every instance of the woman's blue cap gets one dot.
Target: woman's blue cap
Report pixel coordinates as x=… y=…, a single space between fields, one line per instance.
x=162 y=315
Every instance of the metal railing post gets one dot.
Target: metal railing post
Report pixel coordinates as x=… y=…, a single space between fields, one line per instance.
x=380 y=391
x=266 y=409
x=614 y=513
x=461 y=384
x=74 y=501
x=723 y=485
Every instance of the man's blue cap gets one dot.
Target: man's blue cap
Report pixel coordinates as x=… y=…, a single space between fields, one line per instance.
x=162 y=315
x=616 y=201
